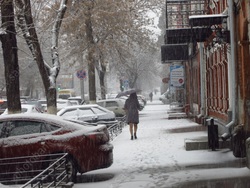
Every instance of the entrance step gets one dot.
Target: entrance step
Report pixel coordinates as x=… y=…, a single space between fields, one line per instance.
x=176 y=115
x=201 y=143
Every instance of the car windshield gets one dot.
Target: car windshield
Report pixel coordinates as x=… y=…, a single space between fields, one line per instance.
x=24 y=110
x=3 y=104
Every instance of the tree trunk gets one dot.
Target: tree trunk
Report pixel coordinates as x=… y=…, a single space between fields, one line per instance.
x=91 y=58
x=10 y=56
x=91 y=73
x=102 y=83
x=102 y=79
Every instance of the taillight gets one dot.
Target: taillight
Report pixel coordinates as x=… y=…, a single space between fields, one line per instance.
x=98 y=138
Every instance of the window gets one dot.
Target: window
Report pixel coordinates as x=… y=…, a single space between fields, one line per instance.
x=72 y=112
x=3 y=104
x=85 y=111
x=24 y=127
x=98 y=111
x=45 y=127
x=7 y=127
x=16 y=128
x=101 y=103
x=24 y=110
x=111 y=104
x=2 y=135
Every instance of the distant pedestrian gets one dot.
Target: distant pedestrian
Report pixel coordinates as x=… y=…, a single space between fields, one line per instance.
x=132 y=107
x=151 y=96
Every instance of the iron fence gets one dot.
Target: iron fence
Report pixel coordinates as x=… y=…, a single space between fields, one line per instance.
x=55 y=175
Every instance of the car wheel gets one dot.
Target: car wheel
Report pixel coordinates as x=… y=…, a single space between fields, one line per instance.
x=71 y=169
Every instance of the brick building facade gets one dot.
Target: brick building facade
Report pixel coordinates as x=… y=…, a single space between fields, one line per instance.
x=217 y=80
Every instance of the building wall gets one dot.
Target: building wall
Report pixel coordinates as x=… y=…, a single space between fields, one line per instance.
x=243 y=67
x=216 y=75
x=217 y=59
x=217 y=83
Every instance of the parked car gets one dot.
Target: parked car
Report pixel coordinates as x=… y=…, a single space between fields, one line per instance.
x=3 y=105
x=66 y=93
x=89 y=113
x=25 y=108
x=77 y=98
x=61 y=103
x=36 y=103
x=34 y=138
x=143 y=98
x=165 y=97
x=44 y=104
x=116 y=105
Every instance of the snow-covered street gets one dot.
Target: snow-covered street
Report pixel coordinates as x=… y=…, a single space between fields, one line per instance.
x=158 y=158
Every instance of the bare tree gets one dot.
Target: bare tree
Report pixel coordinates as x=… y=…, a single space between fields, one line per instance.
x=100 y=27
x=48 y=73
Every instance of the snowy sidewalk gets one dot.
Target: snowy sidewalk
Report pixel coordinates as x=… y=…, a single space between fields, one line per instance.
x=158 y=159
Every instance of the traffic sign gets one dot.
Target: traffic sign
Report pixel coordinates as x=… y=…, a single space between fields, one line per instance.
x=81 y=74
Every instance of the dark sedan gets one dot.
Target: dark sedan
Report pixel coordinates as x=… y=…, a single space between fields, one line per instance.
x=40 y=135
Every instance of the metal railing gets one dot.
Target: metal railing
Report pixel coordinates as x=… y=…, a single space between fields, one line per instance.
x=54 y=175
x=116 y=129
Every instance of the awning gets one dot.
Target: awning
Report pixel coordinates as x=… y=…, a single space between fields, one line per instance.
x=178 y=36
x=187 y=35
x=174 y=52
x=201 y=34
x=206 y=20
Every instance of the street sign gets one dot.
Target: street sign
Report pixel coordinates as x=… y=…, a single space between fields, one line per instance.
x=126 y=84
x=177 y=75
x=81 y=74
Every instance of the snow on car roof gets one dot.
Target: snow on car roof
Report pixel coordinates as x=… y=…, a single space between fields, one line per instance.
x=45 y=118
x=81 y=106
x=77 y=129
x=115 y=99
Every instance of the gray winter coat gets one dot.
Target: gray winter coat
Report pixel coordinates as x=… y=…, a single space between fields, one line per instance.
x=132 y=108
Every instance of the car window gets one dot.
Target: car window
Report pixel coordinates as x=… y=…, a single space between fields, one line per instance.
x=7 y=128
x=100 y=103
x=16 y=128
x=3 y=104
x=24 y=110
x=45 y=127
x=70 y=112
x=2 y=130
x=25 y=127
x=97 y=110
x=111 y=104
x=85 y=111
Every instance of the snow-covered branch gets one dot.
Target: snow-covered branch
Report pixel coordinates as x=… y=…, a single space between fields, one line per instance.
x=54 y=71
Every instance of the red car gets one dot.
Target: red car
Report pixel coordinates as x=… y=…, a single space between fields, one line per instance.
x=33 y=137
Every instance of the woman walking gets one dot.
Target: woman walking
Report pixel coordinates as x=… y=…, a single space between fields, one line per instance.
x=132 y=107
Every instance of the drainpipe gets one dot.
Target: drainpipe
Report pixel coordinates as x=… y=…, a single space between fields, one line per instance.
x=231 y=74
x=203 y=81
